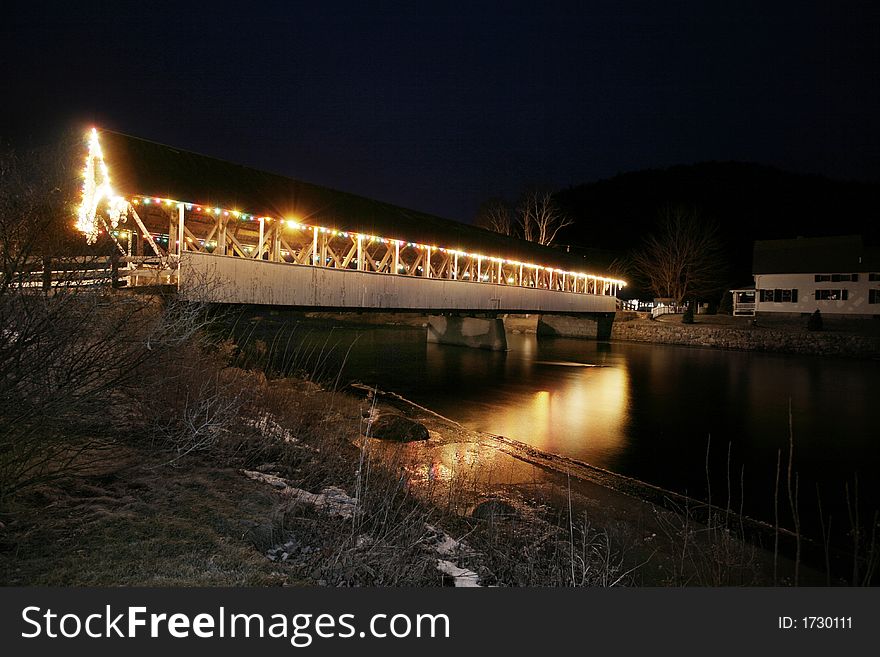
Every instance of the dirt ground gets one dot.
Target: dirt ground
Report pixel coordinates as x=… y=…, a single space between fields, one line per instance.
x=138 y=522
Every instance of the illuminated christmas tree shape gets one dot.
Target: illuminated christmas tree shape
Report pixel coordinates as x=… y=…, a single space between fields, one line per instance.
x=96 y=191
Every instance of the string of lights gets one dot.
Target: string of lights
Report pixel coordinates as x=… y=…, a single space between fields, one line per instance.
x=207 y=210
x=97 y=189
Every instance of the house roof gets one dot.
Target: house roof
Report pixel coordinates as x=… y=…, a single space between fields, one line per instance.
x=146 y=168
x=843 y=253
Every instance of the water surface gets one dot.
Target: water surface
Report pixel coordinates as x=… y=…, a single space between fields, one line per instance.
x=647 y=411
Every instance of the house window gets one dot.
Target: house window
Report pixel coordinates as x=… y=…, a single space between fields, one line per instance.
x=874 y=276
x=779 y=296
x=832 y=295
x=836 y=278
x=873 y=296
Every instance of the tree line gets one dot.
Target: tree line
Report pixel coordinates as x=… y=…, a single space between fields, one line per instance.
x=682 y=259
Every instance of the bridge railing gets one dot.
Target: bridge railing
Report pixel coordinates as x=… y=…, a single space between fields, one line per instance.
x=89 y=271
x=667 y=309
x=69 y=271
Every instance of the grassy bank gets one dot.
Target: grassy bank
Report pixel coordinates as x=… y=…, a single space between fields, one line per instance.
x=196 y=468
x=248 y=512
x=413 y=514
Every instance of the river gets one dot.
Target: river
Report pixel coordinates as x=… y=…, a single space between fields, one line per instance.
x=643 y=410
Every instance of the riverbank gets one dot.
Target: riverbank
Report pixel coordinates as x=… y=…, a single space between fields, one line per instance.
x=744 y=334
x=681 y=540
x=301 y=496
x=787 y=335
x=195 y=468
x=605 y=403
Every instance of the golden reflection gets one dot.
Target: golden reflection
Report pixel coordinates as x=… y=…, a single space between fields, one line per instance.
x=585 y=414
x=541 y=409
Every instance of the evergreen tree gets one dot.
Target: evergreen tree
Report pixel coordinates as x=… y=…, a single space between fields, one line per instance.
x=688 y=317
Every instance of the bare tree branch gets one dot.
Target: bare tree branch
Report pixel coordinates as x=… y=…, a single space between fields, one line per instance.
x=683 y=259
x=539 y=218
x=74 y=354
x=496 y=215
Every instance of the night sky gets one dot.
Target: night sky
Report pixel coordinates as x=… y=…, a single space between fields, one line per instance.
x=440 y=107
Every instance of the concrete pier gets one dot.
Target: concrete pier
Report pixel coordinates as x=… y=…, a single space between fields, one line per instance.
x=472 y=332
x=594 y=325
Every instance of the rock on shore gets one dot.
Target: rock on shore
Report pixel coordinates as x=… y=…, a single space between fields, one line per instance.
x=390 y=426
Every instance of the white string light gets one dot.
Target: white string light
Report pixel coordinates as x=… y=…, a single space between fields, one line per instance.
x=296 y=225
x=96 y=189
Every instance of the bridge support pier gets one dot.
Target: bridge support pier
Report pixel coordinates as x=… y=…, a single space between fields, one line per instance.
x=472 y=332
x=587 y=325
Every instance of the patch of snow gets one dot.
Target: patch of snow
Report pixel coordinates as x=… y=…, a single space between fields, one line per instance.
x=443 y=543
x=272 y=480
x=332 y=500
x=446 y=546
x=461 y=577
x=268 y=426
x=283 y=552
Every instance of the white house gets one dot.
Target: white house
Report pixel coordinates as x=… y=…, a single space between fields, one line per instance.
x=836 y=275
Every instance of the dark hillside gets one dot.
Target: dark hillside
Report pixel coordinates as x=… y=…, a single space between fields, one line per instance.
x=749 y=201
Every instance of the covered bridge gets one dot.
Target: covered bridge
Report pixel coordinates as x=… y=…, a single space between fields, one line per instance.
x=240 y=235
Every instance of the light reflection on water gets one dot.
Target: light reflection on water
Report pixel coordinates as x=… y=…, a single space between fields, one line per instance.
x=648 y=411
x=577 y=412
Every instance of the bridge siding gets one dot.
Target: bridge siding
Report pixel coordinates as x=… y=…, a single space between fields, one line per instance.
x=226 y=279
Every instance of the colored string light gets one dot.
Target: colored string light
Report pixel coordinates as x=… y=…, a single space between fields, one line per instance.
x=97 y=189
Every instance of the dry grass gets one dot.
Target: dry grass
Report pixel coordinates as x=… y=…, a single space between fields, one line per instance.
x=154 y=519
x=139 y=524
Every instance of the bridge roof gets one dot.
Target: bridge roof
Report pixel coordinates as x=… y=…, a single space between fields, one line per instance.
x=144 y=168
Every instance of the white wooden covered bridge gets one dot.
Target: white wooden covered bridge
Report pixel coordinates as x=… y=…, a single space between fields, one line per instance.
x=231 y=234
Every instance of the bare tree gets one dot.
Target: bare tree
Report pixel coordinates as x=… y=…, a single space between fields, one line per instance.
x=683 y=259
x=37 y=190
x=73 y=354
x=539 y=218
x=496 y=215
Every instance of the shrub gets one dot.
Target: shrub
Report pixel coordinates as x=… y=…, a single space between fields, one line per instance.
x=70 y=361
x=688 y=316
x=815 y=321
